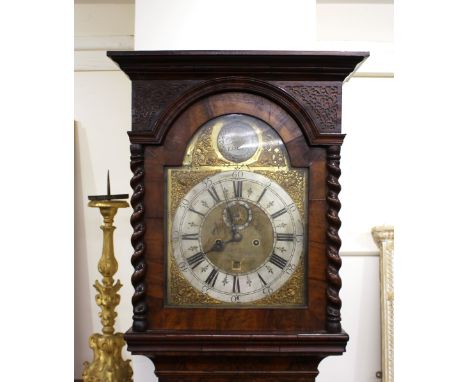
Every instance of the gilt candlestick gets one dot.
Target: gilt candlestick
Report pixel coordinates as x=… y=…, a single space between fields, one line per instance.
x=107 y=364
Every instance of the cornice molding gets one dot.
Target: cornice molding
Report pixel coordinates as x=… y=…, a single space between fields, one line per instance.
x=265 y=65
x=90 y=54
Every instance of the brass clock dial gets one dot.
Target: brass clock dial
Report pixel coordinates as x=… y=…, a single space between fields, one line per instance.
x=236 y=218
x=237 y=236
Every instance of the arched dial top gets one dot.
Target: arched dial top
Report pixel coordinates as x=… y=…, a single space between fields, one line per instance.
x=237 y=236
x=236 y=140
x=236 y=218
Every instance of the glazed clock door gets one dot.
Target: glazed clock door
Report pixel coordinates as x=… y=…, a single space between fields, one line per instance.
x=236 y=220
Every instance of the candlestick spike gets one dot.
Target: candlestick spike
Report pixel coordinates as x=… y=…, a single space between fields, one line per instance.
x=108 y=196
x=108 y=185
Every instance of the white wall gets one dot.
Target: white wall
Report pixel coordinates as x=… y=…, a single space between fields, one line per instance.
x=102 y=115
x=214 y=24
x=355 y=21
x=367 y=172
x=361 y=320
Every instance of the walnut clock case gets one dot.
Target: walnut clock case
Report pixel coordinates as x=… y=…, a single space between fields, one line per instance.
x=236 y=161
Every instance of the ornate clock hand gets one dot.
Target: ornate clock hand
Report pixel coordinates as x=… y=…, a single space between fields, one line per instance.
x=219 y=245
x=231 y=219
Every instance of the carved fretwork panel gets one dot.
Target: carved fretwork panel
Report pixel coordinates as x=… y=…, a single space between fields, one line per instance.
x=321 y=100
x=150 y=98
x=316 y=106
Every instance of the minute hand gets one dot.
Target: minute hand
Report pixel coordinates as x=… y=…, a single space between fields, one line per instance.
x=231 y=219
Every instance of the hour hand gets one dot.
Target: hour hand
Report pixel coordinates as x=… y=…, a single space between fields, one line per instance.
x=218 y=246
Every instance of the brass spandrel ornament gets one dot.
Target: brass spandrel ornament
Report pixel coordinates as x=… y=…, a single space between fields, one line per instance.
x=107 y=364
x=236 y=221
x=236 y=140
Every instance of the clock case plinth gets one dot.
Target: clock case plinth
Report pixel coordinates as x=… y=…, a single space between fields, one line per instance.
x=265 y=357
x=299 y=95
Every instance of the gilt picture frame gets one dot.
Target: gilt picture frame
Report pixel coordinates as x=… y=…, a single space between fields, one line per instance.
x=384 y=238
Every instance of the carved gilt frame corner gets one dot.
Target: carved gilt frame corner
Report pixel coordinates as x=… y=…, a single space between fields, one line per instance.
x=383 y=237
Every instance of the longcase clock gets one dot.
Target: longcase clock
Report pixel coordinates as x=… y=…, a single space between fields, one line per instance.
x=236 y=160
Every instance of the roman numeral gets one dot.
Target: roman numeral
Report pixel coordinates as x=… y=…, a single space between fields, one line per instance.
x=214 y=194
x=237 y=185
x=279 y=213
x=211 y=279
x=261 y=195
x=278 y=261
x=190 y=236
x=261 y=279
x=199 y=213
x=285 y=236
x=236 y=285
x=195 y=260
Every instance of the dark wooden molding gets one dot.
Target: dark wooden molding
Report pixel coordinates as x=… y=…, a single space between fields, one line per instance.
x=156 y=133
x=333 y=240
x=166 y=82
x=140 y=308
x=267 y=65
x=209 y=343
x=260 y=357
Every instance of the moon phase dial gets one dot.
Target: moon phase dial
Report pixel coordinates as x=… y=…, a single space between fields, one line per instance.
x=237 y=140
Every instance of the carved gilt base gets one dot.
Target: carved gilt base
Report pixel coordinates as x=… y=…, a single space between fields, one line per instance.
x=107 y=364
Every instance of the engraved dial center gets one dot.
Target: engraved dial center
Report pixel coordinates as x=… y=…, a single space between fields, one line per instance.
x=239 y=254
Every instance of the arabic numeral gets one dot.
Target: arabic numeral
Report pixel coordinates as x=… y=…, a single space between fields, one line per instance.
x=207 y=182
x=238 y=174
x=290 y=268
x=183 y=266
x=268 y=290
x=185 y=203
x=235 y=298
x=292 y=207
